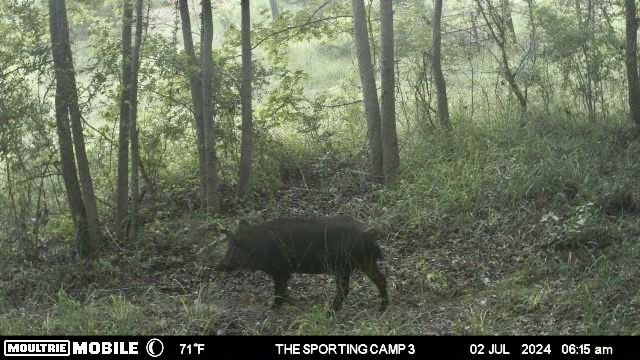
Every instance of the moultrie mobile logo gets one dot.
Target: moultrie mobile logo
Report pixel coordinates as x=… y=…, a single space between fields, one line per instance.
x=37 y=348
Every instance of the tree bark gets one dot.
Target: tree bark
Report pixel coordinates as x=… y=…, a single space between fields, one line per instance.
x=390 y=152
x=135 y=147
x=275 y=12
x=507 y=19
x=67 y=110
x=631 y=28
x=441 y=85
x=588 y=85
x=122 y=190
x=193 y=71
x=474 y=26
x=86 y=182
x=246 y=148
x=206 y=59
x=369 y=91
x=497 y=31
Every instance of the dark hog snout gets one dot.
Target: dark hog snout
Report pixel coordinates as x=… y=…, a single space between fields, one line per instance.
x=223 y=267
x=226 y=264
x=233 y=259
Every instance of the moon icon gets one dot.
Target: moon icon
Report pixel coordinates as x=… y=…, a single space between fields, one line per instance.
x=150 y=350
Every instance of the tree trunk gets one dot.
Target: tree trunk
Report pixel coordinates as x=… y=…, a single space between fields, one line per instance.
x=135 y=147
x=507 y=19
x=275 y=12
x=511 y=80
x=590 y=67
x=246 y=149
x=631 y=60
x=474 y=27
x=66 y=102
x=441 y=86
x=390 y=153
x=195 y=82
x=206 y=59
x=498 y=34
x=86 y=182
x=369 y=91
x=122 y=191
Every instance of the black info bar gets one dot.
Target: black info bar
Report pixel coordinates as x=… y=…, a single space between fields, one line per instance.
x=288 y=347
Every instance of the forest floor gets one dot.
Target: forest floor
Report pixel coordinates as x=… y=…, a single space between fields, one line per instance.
x=508 y=231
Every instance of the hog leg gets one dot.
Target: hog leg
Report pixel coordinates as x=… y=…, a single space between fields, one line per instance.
x=280 y=286
x=342 y=288
x=374 y=273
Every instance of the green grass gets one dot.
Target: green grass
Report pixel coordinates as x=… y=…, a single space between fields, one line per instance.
x=493 y=229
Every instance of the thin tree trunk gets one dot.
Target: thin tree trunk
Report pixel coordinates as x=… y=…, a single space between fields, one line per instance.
x=507 y=18
x=195 y=82
x=474 y=27
x=533 y=46
x=390 y=152
x=497 y=31
x=587 y=82
x=441 y=86
x=372 y=41
x=511 y=80
x=369 y=91
x=63 y=66
x=275 y=12
x=122 y=191
x=631 y=29
x=206 y=59
x=86 y=182
x=246 y=150
x=135 y=147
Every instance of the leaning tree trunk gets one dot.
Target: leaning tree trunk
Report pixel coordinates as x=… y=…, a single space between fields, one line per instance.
x=507 y=20
x=498 y=33
x=441 y=86
x=246 y=148
x=193 y=70
x=390 y=152
x=206 y=59
x=369 y=91
x=631 y=60
x=65 y=102
x=84 y=172
x=122 y=190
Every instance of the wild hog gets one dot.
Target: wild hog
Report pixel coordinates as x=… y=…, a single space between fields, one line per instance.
x=281 y=247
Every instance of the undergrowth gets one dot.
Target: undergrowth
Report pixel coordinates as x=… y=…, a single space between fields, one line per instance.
x=490 y=229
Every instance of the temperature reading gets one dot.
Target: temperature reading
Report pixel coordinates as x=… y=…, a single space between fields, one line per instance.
x=188 y=349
